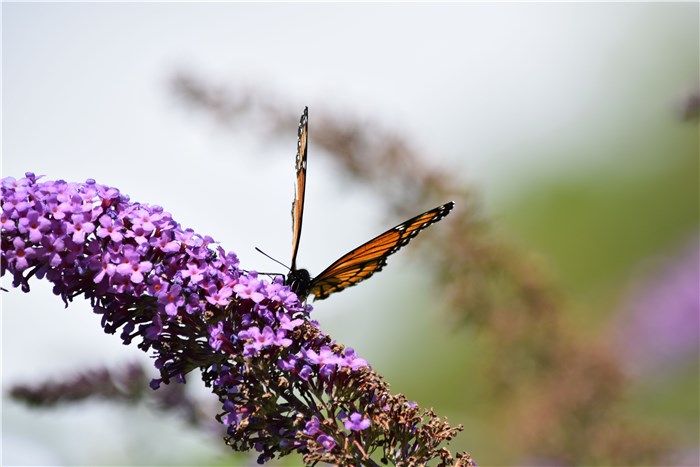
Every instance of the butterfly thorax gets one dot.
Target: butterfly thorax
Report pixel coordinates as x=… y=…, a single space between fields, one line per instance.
x=299 y=280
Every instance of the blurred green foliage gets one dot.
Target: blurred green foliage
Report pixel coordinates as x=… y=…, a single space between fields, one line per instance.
x=596 y=227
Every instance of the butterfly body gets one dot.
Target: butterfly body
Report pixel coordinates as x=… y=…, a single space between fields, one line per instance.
x=299 y=280
x=360 y=263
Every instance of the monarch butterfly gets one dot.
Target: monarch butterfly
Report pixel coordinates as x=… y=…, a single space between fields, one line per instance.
x=360 y=263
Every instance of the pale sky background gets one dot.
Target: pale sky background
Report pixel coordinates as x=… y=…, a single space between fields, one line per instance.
x=85 y=95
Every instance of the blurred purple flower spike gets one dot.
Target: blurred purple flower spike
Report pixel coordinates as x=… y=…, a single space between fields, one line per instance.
x=660 y=321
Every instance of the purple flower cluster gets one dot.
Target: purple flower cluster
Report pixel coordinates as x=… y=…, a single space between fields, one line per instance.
x=283 y=384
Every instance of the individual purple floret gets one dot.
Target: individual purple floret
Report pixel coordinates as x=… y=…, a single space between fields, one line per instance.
x=326 y=442
x=280 y=380
x=356 y=422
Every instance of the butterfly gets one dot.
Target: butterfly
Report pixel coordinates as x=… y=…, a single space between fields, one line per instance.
x=360 y=263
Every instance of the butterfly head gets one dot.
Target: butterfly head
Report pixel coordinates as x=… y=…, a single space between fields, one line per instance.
x=299 y=280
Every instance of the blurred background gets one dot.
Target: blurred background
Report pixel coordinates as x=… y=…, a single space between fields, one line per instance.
x=554 y=313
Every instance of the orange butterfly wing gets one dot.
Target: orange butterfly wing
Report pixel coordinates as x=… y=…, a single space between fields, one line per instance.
x=371 y=257
x=300 y=188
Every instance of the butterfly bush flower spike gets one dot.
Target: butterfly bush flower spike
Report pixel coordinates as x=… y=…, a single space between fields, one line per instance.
x=281 y=381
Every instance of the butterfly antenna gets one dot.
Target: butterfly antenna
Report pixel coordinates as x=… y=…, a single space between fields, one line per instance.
x=273 y=259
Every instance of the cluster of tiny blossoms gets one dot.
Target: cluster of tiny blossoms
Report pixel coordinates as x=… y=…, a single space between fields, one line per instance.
x=283 y=384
